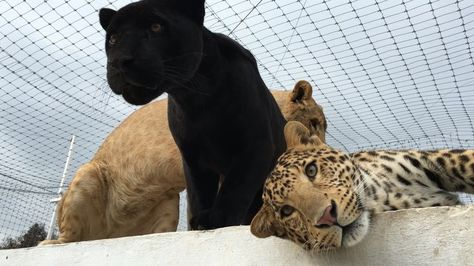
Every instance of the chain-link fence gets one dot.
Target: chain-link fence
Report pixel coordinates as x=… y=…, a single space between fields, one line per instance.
x=389 y=74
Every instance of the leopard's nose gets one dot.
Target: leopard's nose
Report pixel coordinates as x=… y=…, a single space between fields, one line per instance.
x=329 y=216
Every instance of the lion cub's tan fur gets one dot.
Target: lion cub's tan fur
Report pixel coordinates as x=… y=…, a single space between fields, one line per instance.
x=132 y=184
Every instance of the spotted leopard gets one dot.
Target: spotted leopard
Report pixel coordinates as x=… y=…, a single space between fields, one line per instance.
x=322 y=198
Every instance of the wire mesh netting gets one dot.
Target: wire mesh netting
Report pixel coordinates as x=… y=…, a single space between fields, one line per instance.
x=389 y=74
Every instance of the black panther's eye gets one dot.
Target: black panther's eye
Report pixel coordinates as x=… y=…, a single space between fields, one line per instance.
x=155 y=27
x=113 y=39
x=311 y=170
x=286 y=210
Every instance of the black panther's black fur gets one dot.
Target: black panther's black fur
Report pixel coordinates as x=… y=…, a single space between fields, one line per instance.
x=222 y=117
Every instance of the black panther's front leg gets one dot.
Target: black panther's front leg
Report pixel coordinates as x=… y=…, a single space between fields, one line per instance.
x=201 y=189
x=239 y=189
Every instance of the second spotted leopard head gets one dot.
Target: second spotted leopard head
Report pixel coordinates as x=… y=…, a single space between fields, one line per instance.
x=322 y=198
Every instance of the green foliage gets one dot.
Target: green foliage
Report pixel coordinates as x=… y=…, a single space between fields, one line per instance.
x=30 y=238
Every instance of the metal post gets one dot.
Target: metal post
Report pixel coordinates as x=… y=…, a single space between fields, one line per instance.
x=60 y=190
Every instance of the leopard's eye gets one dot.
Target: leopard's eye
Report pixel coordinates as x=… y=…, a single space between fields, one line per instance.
x=155 y=27
x=113 y=39
x=311 y=170
x=286 y=210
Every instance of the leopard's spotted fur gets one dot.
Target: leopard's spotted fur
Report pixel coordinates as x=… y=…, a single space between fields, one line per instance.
x=333 y=207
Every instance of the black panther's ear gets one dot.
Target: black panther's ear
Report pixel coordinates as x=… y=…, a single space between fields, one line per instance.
x=105 y=16
x=195 y=10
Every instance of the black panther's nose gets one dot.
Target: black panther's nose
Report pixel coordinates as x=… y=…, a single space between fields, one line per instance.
x=122 y=63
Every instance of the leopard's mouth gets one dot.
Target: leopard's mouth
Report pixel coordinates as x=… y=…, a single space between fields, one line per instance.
x=356 y=231
x=351 y=233
x=330 y=217
x=350 y=227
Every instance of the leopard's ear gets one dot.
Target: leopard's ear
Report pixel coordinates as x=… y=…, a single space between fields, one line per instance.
x=302 y=91
x=105 y=17
x=297 y=134
x=262 y=225
x=316 y=141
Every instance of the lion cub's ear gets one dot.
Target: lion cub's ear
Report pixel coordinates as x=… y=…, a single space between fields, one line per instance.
x=302 y=91
x=105 y=17
x=297 y=134
x=262 y=223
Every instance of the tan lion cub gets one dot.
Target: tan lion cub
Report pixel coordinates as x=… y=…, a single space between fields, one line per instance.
x=132 y=185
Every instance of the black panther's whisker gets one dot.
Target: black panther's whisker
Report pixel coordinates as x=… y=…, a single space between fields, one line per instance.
x=182 y=55
x=187 y=85
x=197 y=78
x=178 y=70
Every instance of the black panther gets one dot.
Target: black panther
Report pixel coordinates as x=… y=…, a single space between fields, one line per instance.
x=221 y=115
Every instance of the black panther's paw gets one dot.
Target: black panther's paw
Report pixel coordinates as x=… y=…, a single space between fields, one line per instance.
x=210 y=219
x=202 y=221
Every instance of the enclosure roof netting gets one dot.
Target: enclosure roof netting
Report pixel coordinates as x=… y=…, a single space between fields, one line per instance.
x=389 y=74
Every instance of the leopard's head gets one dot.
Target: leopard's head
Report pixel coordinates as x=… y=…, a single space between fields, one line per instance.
x=152 y=46
x=313 y=196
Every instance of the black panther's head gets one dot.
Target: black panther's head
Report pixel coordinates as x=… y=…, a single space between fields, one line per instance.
x=151 y=46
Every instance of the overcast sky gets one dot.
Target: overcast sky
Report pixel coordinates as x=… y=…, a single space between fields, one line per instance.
x=388 y=74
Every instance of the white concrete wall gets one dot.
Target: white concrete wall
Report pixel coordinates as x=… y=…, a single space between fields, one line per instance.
x=432 y=236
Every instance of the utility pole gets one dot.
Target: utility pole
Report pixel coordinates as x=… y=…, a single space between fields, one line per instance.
x=60 y=190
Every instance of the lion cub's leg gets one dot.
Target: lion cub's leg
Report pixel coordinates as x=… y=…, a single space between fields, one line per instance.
x=81 y=210
x=167 y=214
